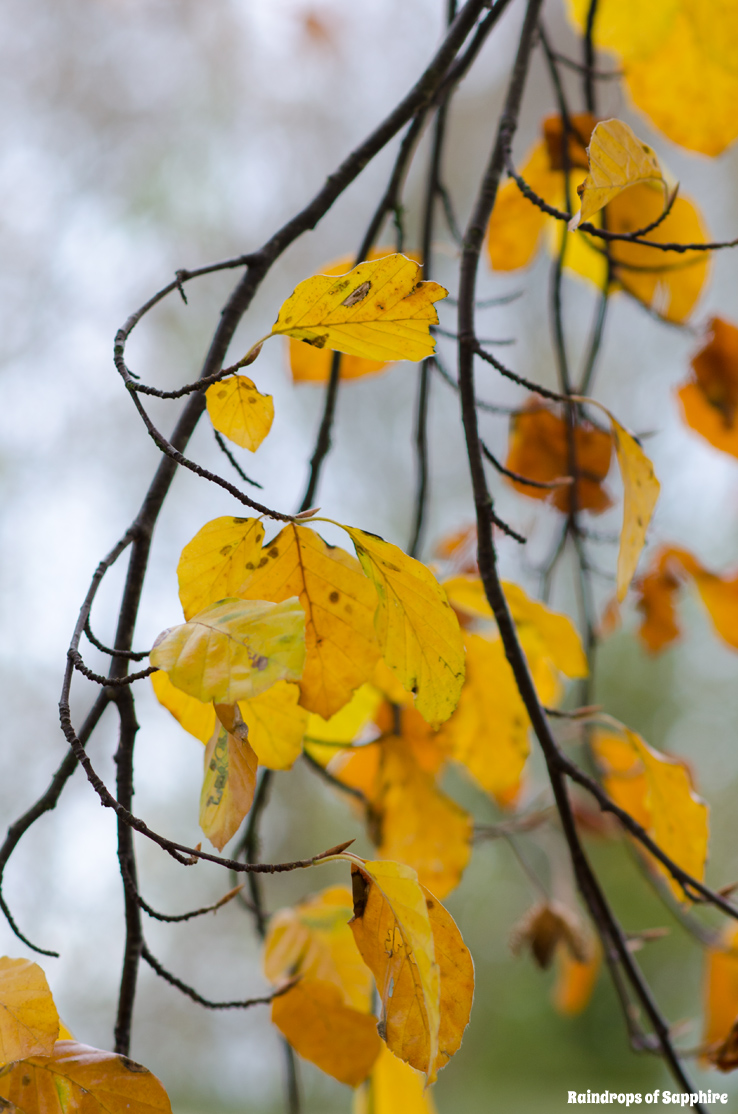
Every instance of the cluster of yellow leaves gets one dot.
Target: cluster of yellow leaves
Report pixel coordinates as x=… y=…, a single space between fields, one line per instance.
x=43 y=1070
x=680 y=64
x=710 y=399
x=633 y=197
x=656 y=790
x=401 y=934
x=302 y=626
x=539 y=449
x=658 y=588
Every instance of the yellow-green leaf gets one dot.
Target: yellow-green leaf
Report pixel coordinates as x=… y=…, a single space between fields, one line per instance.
x=77 y=1078
x=379 y=311
x=217 y=560
x=393 y=932
x=418 y=631
x=339 y=604
x=29 y=1023
x=234 y=649
x=229 y=779
x=618 y=159
x=239 y=411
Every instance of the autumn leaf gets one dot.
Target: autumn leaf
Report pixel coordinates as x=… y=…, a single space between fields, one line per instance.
x=229 y=780
x=75 y=1077
x=658 y=588
x=339 y=604
x=216 y=562
x=710 y=400
x=547 y=928
x=516 y=225
x=29 y=1023
x=233 y=649
x=418 y=632
x=379 y=311
x=326 y=1016
x=656 y=790
x=681 y=66
x=539 y=450
x=309 y=364
x=572 y=153
x=575 y=980
x=618 y=159
x=393 y=1087
x=239 y=411
x=457 y=979
x=194 y=716
x=392 y=930
x=721 y=999
x=276 y=724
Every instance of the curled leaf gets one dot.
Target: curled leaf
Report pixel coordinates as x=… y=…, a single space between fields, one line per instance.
x=229 y=780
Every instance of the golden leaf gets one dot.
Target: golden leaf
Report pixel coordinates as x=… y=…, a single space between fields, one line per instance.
x=76 y=1077
x=418 y=632
x=276 y=724
x=641 y=490
x=658 y=588
x=516 y=224
x=575 y=980
x=239 y=411
x=229 y=780
x=196 y=718
x=379 y=311
x=574 y=153
x=710 y=400
x=618 y=159
x=392 y=929
x=393 y=1087
x=326 y=1017
x=215 y=563
x=233 y=649
x=339 y=605
x=457 y=979
x=721 y=996
x=656 y=790
x=539 y=450
x=29 y=1023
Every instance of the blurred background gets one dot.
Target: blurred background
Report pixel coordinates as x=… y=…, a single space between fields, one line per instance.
x=141 y=136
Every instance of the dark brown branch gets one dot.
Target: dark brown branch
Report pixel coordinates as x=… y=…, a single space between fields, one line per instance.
x=563 y=481
x=349 y=790
x=76 y=658
x=243 y=1004
x=529 y=385
x=127 y=861
x=232 y=460
x=129 y=655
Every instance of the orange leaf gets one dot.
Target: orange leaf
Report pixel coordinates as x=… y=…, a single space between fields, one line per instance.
x=721 y=997
x=575 y=981
x=516 y=224
x=710 y=400
x=658 y=588
x=539 y=451
x=340 y=1040
x=582 y=126
x=230 y=778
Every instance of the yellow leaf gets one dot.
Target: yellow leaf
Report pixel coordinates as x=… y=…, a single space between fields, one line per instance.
x=313 y=940
x=516 y=224
x=632 y=29
x=239 y=411
x=575 y=980
x=339 y=605
x=29 y=1023
x=326 y=1017
x=233 y=649
x=393 y=1088
x=457 y=979
x=215 y=563
x=641 y=490
x=721 y=993
x=379 y=311
x=488 y=732
x=85 y=1080
x=411 y=820
x=229 y=781
x=196 y=717
x=618 y=159
x=392 y=929
x=340 y=1040
x=418 y=631
x=276 y=725
x=664 y=803
x=324 y=737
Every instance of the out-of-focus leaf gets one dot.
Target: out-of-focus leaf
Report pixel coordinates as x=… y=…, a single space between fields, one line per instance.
x=418 y=632
x=340 y=1040
x=196 y=717
x=379 y=311
x=234 y=649
x=392 y=930
x=393 y=1088
x=488 y=732
x=309 y=364
x=547 y=928
x=721 y=1000
x=575 y=980
x=681 y=64
x=539 y=450
x=229 y=780
x=641 y=490
x=325 y=737
x=656 y=790
x=239 y=411
x=618 y=159
x=78 y=1078
x=669 y=568
x=574 y=154
x=339 y=604
x=326 y=1017
x=710 y=399
x=411 y=819
x=29 y=1023
x=217 y=560
x=516 y=224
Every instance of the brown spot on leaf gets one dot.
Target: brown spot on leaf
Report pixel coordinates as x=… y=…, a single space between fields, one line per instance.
x=359 y=889
x=274 y=551
x=132 y=1066
x=357 y=295
x=317 y=342
x=334 y=597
